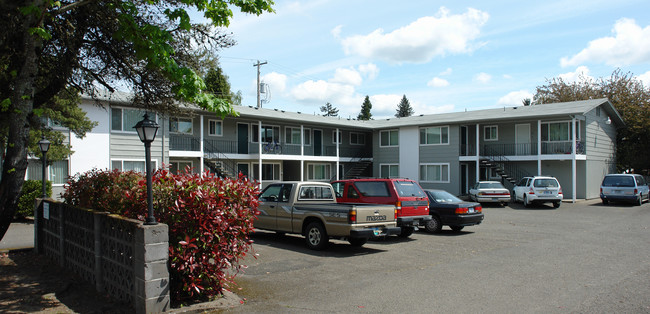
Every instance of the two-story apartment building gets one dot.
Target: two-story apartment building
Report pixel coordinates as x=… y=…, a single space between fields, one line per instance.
x=573 y=141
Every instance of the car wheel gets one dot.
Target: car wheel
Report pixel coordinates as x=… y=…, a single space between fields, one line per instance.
x=434 y=225
x=316 y=236
x=525 y=201
x=640 y=202
x=557 y=204
x=605 y=202
x=457 y=228
x=406 y=232
x=513 y=198
x=357 y=241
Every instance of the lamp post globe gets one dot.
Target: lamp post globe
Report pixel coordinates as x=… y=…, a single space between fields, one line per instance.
x=147 y=130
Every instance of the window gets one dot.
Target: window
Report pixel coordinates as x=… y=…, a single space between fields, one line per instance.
x=180 y=125
x=315 y=193
x=490 y=133
x=434 y=173
x=340 y=141
x=434 y=135
x=269 y=133
x=318 y=172
x=388 y=138
x=177 y=167
x=372 y=188
x=389 y=171
x=292 y=135
x=559 y=131
x=215 y=127
x=126 y=119
x=270 y=172
x=307 y=133
x=357 y=138
x=131 y=165
x=57 y=171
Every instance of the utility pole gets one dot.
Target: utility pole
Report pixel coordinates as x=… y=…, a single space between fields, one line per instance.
x=258 y=64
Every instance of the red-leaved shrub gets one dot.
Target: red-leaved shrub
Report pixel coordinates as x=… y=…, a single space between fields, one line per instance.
x=209 y=220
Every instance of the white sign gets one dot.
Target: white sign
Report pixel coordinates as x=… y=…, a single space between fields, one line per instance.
x=46 y=211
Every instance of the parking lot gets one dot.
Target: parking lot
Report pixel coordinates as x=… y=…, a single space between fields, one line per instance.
x=580 y=258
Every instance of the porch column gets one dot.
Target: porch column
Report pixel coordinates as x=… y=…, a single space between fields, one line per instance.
x=302 y=152
x=337 y=153
x=201 y=148
x=573 y=159
x=259 y=149
x=539 y=147
x=478 y=161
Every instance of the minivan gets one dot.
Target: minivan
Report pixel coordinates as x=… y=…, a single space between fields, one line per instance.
x=624 y=188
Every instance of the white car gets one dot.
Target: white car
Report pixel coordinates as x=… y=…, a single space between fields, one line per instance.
x=538 y=189
x=489 y=192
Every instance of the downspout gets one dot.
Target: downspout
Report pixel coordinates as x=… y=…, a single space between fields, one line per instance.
x=573 y=158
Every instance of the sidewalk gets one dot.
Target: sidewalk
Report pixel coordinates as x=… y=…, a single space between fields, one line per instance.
x=20 y=236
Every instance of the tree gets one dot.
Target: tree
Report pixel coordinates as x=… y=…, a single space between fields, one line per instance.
x=51 y=51
x=329 y=110
x=217 y=84
x=404 y=108
x=526 y=102
x=630 y=98
x=365 y=110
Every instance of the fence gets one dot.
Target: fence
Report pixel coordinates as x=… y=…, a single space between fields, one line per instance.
x=120 y=257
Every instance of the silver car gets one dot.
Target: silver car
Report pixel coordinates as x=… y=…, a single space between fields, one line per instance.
x=538 y=189
x=624 y=188
x=489 y=192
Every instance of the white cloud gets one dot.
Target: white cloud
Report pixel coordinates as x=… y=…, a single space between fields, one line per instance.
x=321 y=92
x=369 y=70
x=514 y=98
x=438 y=82
x=347 y=77
x=645 y=78
x=507 y=76
x=336 y=31
x=446 y=72
x=580 y=74
x=483 y=77
x=276 y=81
x=630 y=45
x=422 y=40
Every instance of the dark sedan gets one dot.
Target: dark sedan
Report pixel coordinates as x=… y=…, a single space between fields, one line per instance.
x=447 y=209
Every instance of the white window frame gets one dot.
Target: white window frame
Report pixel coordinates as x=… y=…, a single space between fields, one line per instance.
x=49 y=171
x=178 y=162
x=334 y=137
x=358 y=135
x=390 y=166
x=426 y=138
x=548 y=129
x=310 y=171
x=389 y=138
x=154 y=164
x=217 y=122
x=307 y=136
x=129 y=129
x=255 y=168
x=288 y=135
x=423 y=177
x=485 y=133
x=177 y=120
x=255 y=133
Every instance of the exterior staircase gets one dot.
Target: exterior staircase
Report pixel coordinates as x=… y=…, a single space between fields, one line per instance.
x=358 y=169
x=218 y=163
x=509 y=171
x=219 y=168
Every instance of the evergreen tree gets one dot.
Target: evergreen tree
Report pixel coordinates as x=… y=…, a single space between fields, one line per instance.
x=365 y=110
x=329 y=110
x=526 y=101
x=404 y=108
x=216 y=83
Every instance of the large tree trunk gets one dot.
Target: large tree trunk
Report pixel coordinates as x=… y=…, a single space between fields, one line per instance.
x=22 y=104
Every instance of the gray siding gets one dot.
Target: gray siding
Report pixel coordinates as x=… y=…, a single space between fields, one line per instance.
x=600 y=142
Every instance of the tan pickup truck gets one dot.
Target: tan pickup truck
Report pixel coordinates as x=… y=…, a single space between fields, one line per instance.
x=310 y=209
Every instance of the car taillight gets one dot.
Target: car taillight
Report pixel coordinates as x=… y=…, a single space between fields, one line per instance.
x=352 y=215
x=559 y=192
x=478 y=209
x=462 y=210
x=531 y=191
x=601 y=190
x=398 y=205
x=395 y=213
x=636 y=191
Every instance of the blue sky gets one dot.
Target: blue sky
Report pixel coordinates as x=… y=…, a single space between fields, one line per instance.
x=444 y=56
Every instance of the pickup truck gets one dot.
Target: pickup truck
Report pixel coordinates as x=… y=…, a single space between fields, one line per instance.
x=310 y=209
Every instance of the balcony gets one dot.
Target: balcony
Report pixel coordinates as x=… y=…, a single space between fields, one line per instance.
x=548 y=148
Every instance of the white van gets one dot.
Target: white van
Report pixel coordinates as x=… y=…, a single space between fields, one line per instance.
x=624 y=188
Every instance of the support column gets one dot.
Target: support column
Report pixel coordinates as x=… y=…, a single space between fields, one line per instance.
x=302 y=152
x=337 y=153
x=259 y=147
x=478 y=154
x=573 y=159
x=202 y=148
x=539 y=147
x=151 y=274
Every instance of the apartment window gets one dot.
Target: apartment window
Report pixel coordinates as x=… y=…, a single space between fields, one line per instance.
x=270 y=172
x=388 y=138
x=434 y=135
x=292 y=135
x=269 y=133
x=438 y=173
x=318 y=172
x=57 y=171
x=559 y=131
x=131 y=165
x=307 y=133
x=177 y=167
x=125 y=119
x=180 y=125
x=340 y=138
x=490 y=133
x=357 y=138
x=389 y=171
x=215 y=127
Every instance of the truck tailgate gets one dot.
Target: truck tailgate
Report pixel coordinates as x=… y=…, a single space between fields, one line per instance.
x=369 y=213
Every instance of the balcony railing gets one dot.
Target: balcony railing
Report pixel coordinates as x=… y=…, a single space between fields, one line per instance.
x=184 y=143
x=548 y=148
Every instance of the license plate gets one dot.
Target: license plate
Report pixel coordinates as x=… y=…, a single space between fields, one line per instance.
x=471 y=210
x=376 y=231
x=548 y=192
x=618 y=191
x=494 y=198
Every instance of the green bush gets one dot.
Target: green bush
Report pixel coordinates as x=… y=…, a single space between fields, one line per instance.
x=32 y=189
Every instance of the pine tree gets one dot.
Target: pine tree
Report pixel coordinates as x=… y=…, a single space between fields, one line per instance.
x=365 y=110
x=404 y=108
x=329 y=110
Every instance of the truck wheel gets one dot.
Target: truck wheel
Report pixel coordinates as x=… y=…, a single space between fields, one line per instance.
x=434 y=225
x=557 y=204
x=357 y=241
x=406 y=232
x=316 y=236
x=457 y=228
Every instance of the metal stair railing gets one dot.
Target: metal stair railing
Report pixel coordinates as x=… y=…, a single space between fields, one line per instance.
x=226 y=168
x=507 y=169
x=360 y=164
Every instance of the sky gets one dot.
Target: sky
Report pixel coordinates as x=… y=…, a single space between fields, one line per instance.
x=444 y=56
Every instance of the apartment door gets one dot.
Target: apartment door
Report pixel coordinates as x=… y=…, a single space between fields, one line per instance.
x=463 y=141
x=242 y=138
x=318 y=143
x=522 y=139
x=243 y=168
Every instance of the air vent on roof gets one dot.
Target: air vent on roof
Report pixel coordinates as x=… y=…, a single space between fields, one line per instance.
x=281 y=110
x=276 y=109
x=298 y=111
x=421 y=115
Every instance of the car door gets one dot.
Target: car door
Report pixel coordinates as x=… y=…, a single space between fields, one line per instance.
x=520 y=189
x=272 y=199
x=473 y=191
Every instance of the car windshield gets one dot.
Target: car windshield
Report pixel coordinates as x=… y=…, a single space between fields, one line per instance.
x=444 y=197
x=408 y=188
x=490 y=185
x=545 y=183
x=621 y=181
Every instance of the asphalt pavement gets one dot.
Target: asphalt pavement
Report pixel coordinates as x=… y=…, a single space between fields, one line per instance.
x=20 y=236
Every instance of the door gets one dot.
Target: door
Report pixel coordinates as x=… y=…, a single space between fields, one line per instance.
x=275 y=208
x=463 y=141
x=243 y=168
x=522 y=139
x=242 y=138
x=318 y=143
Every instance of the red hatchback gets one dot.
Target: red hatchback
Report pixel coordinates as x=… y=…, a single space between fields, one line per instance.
x=408 y=197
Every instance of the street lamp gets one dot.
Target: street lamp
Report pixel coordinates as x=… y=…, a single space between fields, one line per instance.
x=44 y=146
x=147 y=130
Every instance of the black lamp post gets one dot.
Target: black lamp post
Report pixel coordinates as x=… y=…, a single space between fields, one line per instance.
x=44 y=146
x=147 y=130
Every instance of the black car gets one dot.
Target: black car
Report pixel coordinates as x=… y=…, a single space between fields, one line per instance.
x=447 y=209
